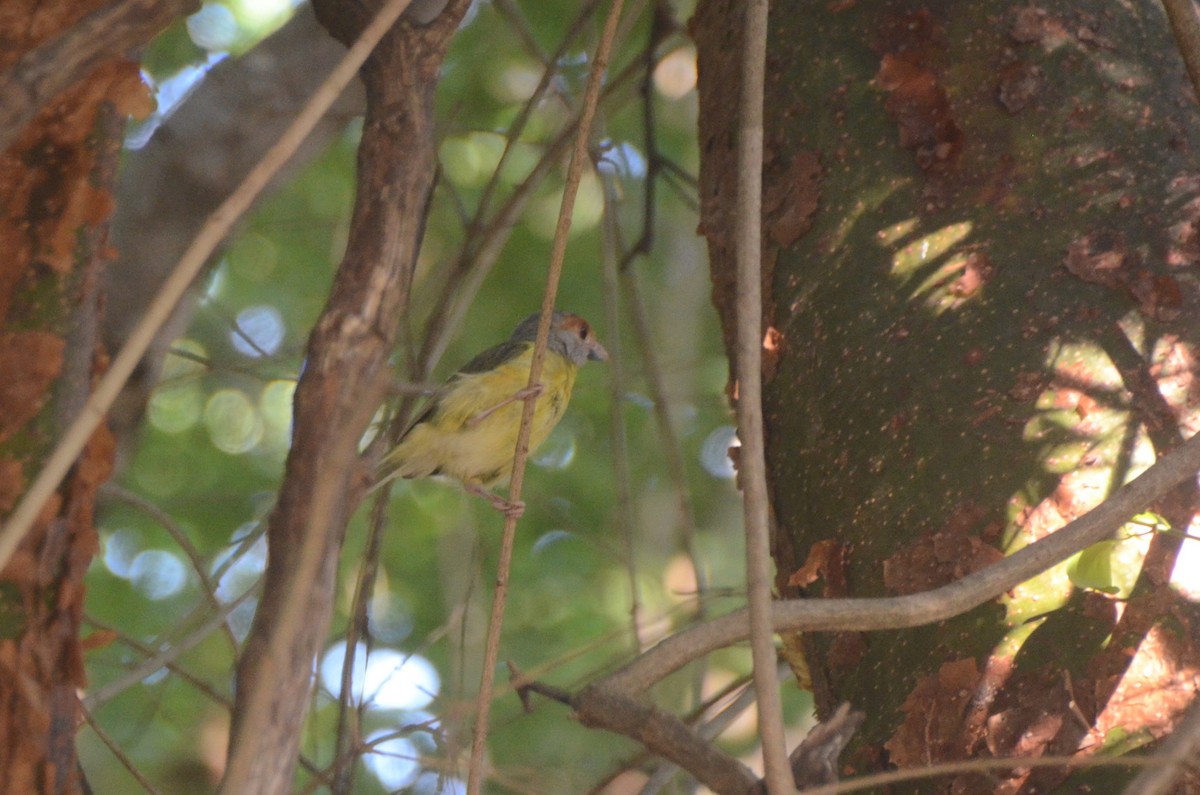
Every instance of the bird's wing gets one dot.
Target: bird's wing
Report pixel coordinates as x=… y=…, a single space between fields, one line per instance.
x=494 y=357
x=491 y=359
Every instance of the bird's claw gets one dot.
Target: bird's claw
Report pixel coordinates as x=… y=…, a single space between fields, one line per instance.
x=513 y=509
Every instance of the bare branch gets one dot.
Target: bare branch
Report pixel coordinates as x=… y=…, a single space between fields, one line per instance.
x=1185 y=24
x=929 y=607
x=344 y=378
x=1176 y=752
x=665 y=735
x=752 y=470
x=558 y=252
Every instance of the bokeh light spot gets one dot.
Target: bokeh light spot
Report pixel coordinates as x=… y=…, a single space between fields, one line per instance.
x=387 y=679
x=275 y=406
x=234 y=425
x=120 y=549
x=158 y=574
x=675 y=74
x=175 y=409
x=393 y=760
x=714 y=452
x=558 y=451
x=259 y=332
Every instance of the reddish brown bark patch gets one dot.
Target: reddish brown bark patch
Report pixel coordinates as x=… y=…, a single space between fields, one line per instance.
x=942 y=557
x=933 y=717
x=917 y=101
x=30 y=361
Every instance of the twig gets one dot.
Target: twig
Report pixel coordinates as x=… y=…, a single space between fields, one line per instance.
x=343 y=768
x=189 y=265
x=672 y=451
x=1175 y=753
x=658 y=730
x=815 y=760
x=558 y=251
x=752 y=469
x=181 y=539
x=1185 y=24
x=475 y=261
x=662 y=24
x=344 y=378
x=929 y=607
x=882 y=780
x=665 y=735
x=168 y=655
x=125 y=761
x=544 y=83
x=714 y=727
x=618 y=433
x=171 y=665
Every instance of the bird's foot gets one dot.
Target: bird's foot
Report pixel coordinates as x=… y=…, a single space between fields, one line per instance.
x=521 y=394
x=513 y=509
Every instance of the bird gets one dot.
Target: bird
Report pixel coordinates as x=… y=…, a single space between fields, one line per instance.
x=468 y=431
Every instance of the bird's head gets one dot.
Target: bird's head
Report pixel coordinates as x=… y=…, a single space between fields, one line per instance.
x=570 y=336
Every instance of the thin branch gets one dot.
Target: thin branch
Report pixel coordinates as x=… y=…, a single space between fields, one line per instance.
x=189 y=265
x=671 y=448
x=665 y=735
x=939 y=604
x=1175 y=754
x=1185 y=24
x=591 y=98
x=659 y=731
x=878 y=781
x=714 y=727
x=176 y=650
x=343 y=381
x=658 y=27
x=125 y=761
x=623 y=510
x=752 y=470
x=480 y=252
x=544 y=83
x=176 y=532
x=171 y=665
x=349 y=736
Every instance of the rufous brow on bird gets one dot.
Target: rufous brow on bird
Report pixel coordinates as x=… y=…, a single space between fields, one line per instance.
x=469 y=429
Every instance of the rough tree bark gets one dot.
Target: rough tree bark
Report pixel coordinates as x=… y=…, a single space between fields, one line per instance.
x=344 y=375
x=65 y=108
x=982 y=235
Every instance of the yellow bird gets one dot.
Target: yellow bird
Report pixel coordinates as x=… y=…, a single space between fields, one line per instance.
x=469 y=430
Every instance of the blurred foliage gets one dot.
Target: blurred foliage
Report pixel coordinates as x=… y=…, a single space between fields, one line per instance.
x=216 y=432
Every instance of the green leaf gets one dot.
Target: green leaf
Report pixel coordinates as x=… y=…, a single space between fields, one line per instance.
x=1092 y=568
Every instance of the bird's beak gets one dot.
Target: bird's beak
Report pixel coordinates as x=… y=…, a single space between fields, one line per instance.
x=596 y=352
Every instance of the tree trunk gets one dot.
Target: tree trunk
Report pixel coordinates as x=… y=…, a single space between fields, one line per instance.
x=342 y=384
x=981 y=250
x=56 y=178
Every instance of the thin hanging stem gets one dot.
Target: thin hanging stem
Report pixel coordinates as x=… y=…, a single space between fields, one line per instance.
x=558 y=253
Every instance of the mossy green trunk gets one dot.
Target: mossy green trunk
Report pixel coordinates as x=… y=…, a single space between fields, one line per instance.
x=981 y=249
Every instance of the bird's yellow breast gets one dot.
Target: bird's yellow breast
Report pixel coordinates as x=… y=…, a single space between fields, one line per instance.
x=447 y=442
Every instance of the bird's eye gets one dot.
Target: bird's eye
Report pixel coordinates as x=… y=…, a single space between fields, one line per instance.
x=584 y=331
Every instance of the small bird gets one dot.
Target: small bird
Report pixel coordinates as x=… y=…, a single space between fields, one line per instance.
x=469 y=430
